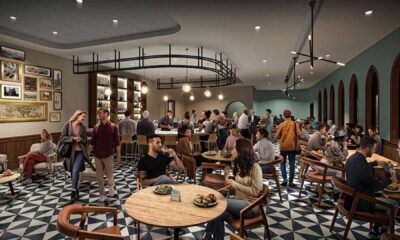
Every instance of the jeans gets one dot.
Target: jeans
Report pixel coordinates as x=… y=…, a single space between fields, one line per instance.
x=267 y=169
x=164 y=179
x=76 y=166
x=217 y=227
x=292 y=163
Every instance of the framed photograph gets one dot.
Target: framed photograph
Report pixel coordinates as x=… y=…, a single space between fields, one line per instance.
x=55 y=117
x=12 y=53
x=28 y=96
x=46 y=83
x=30 y=84
x=18 y=111
x=57 y=79
x=35 y=70
x=45 y=95
x=57 y=101
x=11 y=71
x=10 y=91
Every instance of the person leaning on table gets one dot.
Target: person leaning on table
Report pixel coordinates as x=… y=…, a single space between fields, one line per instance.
x=248 y=184
x=153 y=166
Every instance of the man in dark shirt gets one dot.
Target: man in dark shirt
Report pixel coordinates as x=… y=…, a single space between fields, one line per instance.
x=105 y=141
x=154 y=164
x=360 y=176
x=167 y=122
x=144 y=126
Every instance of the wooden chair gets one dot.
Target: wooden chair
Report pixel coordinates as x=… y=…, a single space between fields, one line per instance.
x=242 y=224
x=141 y=146
x=127 y=140
x=78 y=232
x=390 y=236
x=212 y=180
x=170 y=141
x=275 y=174
x=235 y=237
x=89 y=174
x=211 y=142
x=196 y=142
x=386 y=218
x=190 y=165
x=46 y=167
x=314 y=176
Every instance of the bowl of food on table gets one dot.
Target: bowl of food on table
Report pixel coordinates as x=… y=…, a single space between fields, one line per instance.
x=205 y=200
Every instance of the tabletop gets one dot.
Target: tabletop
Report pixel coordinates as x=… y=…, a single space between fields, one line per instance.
x=11 y=178
x=218 y=157
x=173 y=132
x=373 y=157
x=158 y=210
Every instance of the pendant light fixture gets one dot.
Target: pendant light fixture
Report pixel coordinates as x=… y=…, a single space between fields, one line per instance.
x=220 y=96
x=144 y=88
x=191 y=98
x=207 y=92
x=186 y=86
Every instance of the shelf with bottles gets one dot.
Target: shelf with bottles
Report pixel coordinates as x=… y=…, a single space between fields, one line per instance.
x=103 y=80
x=104 y=103
x=122 y=83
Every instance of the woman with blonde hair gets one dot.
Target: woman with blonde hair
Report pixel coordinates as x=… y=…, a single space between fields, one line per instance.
x=74 y=132
x=40 y=156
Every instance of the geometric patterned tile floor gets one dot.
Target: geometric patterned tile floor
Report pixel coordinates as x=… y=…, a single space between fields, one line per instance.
x=33 y=211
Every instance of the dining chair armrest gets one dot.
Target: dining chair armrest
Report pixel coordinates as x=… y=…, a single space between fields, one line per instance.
x=248 y=208
x=272 y=163
x=22 y=156
x=96 y=209
x=338 y=168
x=389 y=206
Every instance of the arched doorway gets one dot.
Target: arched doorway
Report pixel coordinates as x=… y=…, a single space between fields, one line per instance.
x=341 y=104
x=235 y=107
x=319 y=107
x=372 y=98
x=395 y=100
x=353 y=100
x=332 y=104
x=325 y=105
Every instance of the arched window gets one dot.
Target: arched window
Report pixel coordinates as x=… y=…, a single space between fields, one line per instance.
x=395 y=100
x=372 y=98
x=353 y=100
x=332 y=104
x=319 y=107
x=341 y=104
x=325 y=105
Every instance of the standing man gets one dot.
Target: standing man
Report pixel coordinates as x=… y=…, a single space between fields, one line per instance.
x=243 y=124
x=127 y=126
x=105 y=142
x=167 y=122
x=253 y=122
x=144 y=126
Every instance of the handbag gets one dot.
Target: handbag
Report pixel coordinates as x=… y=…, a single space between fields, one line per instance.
x=296 y=140
x=64 y=148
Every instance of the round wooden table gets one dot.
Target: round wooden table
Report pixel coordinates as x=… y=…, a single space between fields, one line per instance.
x=9 y=180
x=150 y=208
x=219 y=158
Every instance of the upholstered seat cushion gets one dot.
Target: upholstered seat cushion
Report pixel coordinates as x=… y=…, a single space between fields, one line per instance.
x=248 y=222
x=42 y=165
x=315 y=176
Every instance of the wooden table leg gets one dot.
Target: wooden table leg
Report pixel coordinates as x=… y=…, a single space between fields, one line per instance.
x=138 y=230
x=176 y=233
x=11 y=188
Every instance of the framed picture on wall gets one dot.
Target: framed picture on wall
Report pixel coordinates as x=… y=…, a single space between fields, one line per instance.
x=45 y=95
x=35 y=70
x=10 y=91
x=12 y=53
x=28 y=96
x=46 y=83
x=55 y=117
x=30 y=84
x=57 y=101
x=57 y=79
x=20 y=111
x=11 y=71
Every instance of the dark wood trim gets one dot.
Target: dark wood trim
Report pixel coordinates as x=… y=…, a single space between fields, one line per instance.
x=332 y=103
x=371 y=90
x=341 y=104
x=353 y=100
x=390 y=150
x=325 y=105
x=395 y=100
x=319 y=107
x=20 y=145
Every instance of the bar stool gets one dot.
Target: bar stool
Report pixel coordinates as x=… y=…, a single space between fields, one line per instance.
x=170 y=141
x=196 y=142
x=141 y=145
x=211 y=142
x=127 y=139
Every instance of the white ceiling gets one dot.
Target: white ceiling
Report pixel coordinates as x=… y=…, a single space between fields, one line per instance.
x=341 y=30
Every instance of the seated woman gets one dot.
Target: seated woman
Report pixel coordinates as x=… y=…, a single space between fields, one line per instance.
x=335 y=153
x=357 y=135
x=40 y=156
x=234 y=135
x=248 y=184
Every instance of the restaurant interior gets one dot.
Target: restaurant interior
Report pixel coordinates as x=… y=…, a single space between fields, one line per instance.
x=307 y=78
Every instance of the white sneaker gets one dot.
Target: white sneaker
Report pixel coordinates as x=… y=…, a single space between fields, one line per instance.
x=102 y=198
x=111 y=191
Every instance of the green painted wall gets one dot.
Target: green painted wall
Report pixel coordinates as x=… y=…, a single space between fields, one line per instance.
x=381 y=55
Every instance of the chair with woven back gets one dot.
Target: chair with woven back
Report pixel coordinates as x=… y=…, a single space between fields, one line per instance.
x=212 y=180
x=275 y=174
x=315 y=176
x=190 y=167
x=242 y=224
x=78 y=232
x=386 y=218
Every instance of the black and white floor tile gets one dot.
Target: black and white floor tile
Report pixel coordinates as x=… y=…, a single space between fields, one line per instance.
x=32 y=212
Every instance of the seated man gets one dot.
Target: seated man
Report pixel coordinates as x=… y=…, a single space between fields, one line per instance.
x=185 y=147
x=154 y=163
x=315 y=142
x=360 y=176
x=264 y=150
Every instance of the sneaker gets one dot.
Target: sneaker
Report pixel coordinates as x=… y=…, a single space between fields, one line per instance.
x=291 y=184
x=27 y=181
x=102 y=198
x=284 y=183
x=111 y=191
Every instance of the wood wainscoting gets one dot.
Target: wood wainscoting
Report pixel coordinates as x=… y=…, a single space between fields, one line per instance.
x=17 y=146
x=390 y=150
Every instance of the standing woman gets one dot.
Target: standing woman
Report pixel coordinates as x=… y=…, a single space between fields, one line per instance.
x=248 y=184
x=74 y=130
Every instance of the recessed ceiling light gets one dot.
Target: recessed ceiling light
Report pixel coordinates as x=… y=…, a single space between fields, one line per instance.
x=55 y=33
x=369 y=13
x=257 y=28
x=264 y=60
x=327 y=56
x=115 y=21
x=13 y=18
